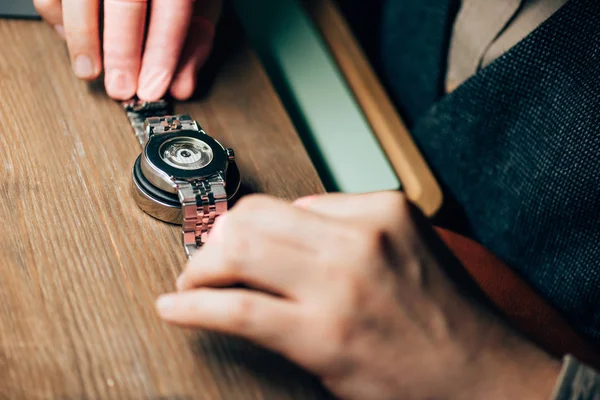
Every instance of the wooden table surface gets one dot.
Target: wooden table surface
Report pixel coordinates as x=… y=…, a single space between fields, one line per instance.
x=81 y=265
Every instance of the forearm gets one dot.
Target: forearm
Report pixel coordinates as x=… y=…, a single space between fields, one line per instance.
x=560 y=339
x=572 y=380
x=508 y=367
x=517 y=369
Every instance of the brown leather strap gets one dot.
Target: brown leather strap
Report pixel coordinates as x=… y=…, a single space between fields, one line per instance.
x=526 y=309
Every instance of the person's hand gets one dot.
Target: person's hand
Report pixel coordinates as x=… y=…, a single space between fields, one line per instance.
x=358 y=290
x=178 y=42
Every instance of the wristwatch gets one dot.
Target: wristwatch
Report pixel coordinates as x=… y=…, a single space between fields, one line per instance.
x=183 y=175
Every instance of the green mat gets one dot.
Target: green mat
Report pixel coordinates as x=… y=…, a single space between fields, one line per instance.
x=331 y=124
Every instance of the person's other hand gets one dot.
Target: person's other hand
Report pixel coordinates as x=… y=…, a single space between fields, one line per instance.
x=178 y=42
x=360 y=291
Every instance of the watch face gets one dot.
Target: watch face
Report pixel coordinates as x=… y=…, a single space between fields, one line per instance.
x=186 y=153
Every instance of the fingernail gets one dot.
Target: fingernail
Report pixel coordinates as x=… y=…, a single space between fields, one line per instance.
x=304 y=201
x=164 y=303
x=60 y=30
x=119 y=84
x=83 y=67
x=153 y=84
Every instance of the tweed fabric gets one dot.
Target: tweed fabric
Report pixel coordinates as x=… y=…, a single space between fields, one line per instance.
x=413 y=52
x=516 y=147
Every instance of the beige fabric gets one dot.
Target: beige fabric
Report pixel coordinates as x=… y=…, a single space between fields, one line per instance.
x=476 y=26
x=486 y=29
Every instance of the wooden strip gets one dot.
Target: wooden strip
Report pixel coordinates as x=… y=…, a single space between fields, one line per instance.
x=417 y=179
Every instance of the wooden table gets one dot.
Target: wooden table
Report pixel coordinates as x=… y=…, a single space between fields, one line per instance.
x=81 y=265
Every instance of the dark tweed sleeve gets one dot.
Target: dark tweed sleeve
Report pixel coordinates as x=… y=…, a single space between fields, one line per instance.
x=577 y=382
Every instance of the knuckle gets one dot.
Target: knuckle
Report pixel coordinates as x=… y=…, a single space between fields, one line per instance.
x=118 y=56
x=396 y=204
x=348 y=249
x=235 y=251
x=344 y=236
x=255 y=210
x=81 y=35
x=253 y=202
x=241 y=313
x=363 y=258
x=367 y=243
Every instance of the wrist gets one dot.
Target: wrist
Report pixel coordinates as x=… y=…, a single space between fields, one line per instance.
x=510 y=367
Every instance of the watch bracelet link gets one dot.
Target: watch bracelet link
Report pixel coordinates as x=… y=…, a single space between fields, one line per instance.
x=202 y=200
x=138 y=111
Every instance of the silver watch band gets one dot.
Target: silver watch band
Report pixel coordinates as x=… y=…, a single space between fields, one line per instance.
x=203 y=200
x=139 y=111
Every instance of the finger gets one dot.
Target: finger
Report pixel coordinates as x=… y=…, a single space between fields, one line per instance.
x=263 y=263
x=51 y=12
x=81 y=25
x=278 y=219
x=389 y=212
x=268 y=244
x=195 y=54
x=169 y=23
x=197 y=48
x=368 y=207
x=264 y=319
x=124 y=22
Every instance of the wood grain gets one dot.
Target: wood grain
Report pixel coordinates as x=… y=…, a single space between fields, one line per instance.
x=81 y=265
x=418 y=181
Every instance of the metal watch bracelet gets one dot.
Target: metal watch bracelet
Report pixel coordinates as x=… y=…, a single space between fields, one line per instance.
x=202 y=200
